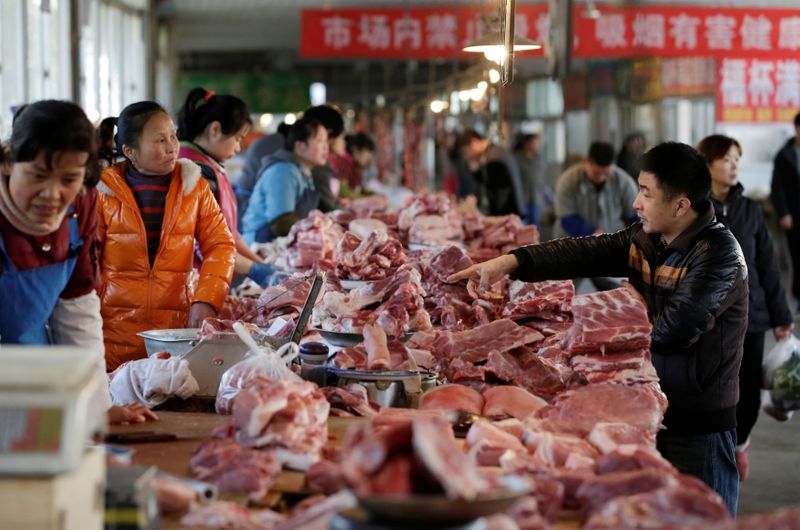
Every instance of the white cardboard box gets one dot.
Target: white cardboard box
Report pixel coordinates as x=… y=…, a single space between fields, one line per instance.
x=69 y=501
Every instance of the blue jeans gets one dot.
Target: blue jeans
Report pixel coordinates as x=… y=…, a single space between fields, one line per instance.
x=710 y=457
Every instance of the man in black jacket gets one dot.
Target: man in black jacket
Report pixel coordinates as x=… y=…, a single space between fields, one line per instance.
x=785 y=196
x=691 y=273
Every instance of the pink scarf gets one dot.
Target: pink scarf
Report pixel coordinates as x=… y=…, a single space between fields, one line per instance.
x=19 y=220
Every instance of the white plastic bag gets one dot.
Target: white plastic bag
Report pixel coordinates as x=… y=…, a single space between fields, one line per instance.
x=152 y=381
x=781 y=371
x=259 y=361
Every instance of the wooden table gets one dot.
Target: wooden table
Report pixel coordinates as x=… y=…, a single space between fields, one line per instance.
x=191 y=428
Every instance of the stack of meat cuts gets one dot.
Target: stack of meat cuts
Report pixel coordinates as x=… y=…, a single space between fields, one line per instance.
x=609 y=321
x=274 y=422
x=547 y=302
x=610 y=338
x=285 y=300
x=373 y=258
x=499 y=235
x=311 y=242
x=394 y=303
x=430 y=219
x=460 y=305
x=500 y=352
x=237 y=308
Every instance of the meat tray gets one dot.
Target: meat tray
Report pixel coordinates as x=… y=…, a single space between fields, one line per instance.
x=389 y=388
x=349 y=340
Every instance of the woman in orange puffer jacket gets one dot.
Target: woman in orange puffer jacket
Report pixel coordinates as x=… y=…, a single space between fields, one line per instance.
x=151 y=209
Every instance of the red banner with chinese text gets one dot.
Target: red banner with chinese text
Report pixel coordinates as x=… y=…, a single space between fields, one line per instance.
x=758 y=90
x=686 y=30
x=661 y=31
x=397 y=33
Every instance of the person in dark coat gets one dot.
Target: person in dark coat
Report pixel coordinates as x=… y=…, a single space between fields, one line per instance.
x=692 y=276
x=632 y=149
x=768 y=308
x=785 y=197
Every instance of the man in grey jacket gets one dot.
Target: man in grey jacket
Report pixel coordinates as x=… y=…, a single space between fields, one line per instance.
x=594 y=197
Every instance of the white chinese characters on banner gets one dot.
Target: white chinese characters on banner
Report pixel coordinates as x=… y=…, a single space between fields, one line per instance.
x=733 y=83
x=407 y=33
x=374 y=32
x=648 y=31
x=336 y=32
x=789 y=33
x=760 y=90
x=720 y=31
x=542 y=28
x=756 y=33
x=787 y=84
x=761 y=87
x=610 y=31
x=683 y=29
x=441 y=31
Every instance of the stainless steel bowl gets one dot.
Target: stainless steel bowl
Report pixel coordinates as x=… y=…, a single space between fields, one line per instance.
x=173 y=341
x=393 y=388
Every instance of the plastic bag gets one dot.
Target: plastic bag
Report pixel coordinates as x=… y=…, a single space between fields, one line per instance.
x=262 y=361
x=781 y=372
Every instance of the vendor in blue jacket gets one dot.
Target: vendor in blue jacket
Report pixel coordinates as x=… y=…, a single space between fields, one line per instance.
x=284 y=192
x=693 y=277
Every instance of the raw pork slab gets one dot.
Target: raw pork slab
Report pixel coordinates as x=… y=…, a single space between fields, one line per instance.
x=510 y=401
x=489 y=442
x=609 y=321
x=453 y=397
x=598 y=490
x=532 y=299
x=669 y=508
x=578 y=411
x=609 y=436
x=475 y=344
x=435 y=445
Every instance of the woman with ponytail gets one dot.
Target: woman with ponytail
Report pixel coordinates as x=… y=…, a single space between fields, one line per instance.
x=211 y=128
x=152 y=208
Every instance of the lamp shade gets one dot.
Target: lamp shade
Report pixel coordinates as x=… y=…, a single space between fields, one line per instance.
x=490 y=43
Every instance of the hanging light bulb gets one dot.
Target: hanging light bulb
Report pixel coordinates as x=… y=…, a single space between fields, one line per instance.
x=437 y=106
x=496 y=54
x=483 y=85
x=476 y=94
x=494 y=76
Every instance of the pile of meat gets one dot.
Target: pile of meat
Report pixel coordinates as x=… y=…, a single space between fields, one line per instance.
x=313 y=513
x=394 y=303
x=311 y=242
x=430 y=219
x=372 y=258
x=461 y=305
x=500 y=352
x=377 y=352
x=285 y=300
x=274 y=422
x=545 y=302
x=497 y=403
x=489 y=237
x=416 y=456
x=239 y=308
